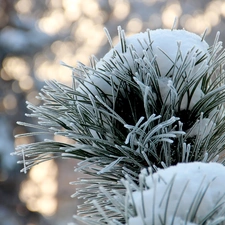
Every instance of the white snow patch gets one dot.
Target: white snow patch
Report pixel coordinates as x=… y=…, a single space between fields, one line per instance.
x=185 y=183
x=165 y=45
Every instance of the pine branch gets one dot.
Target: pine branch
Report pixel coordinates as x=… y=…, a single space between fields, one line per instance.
x=128 y=112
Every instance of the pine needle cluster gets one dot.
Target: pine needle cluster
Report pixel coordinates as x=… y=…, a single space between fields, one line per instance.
x=132 y=125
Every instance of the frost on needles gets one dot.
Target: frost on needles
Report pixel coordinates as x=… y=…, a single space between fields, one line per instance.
x=153 y=101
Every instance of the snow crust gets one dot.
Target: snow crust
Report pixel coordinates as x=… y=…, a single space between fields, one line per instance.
x=180 y=186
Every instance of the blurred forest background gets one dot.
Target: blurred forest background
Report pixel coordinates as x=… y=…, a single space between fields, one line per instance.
x=34 y=37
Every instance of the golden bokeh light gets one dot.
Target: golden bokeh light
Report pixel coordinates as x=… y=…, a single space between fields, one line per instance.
x=23 y=140
x=47 y=205
x=53 y=22
x=121 y=9
x=70 y=52
x=45 y=170
x=215 y=6
x=44 y=187
x=207 y=19
x=10 y=102
x=40 y=189
x=60 y=48
x=16 y=68
x=54 y=4
x=59 y=138
x=29 y=190
x=88 y=7
x=4 y=75
x=26 y=83
x=53 y=71
x=222 y=8
x=72 y=9
x=134 y=26
x=83 y=26
x=197 y=24
x=24 y=6
x=170 y=13
x=212 y=17
x=97 y=37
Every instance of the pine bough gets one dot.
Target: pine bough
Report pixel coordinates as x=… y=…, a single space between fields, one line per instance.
x=147 y=120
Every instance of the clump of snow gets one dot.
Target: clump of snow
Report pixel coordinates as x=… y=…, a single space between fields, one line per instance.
x=174 y=221
x=164 y=43
x=176 y=51
x=181 y=194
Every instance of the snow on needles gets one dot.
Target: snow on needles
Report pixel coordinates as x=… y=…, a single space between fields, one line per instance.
x=178 y=54
x=183 y=194
x=164 y=44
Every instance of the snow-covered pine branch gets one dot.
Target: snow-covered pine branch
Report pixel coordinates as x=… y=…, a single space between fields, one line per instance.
x=188 y=193
x=155 y=99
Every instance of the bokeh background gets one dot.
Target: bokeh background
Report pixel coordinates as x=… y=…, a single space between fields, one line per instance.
x=34 y=37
